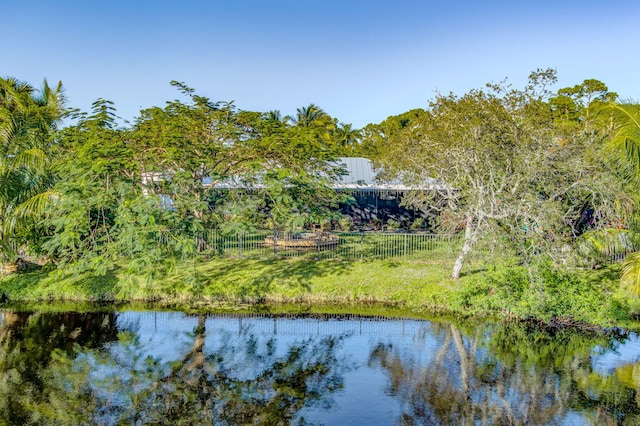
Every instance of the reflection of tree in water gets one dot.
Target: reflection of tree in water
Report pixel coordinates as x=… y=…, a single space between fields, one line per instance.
x=202 y=387
x=57 y=370
x=28 y=343
x=529 y=377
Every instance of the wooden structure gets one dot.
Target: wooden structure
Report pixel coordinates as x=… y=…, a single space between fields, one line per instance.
x=302 y=240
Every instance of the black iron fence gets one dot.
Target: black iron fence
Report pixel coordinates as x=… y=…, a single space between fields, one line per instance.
x=332 y=245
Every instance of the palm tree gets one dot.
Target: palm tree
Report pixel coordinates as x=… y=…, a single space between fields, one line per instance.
x=27 y=120
x=346 y=138
x=273 y=115
x=625 y=148
x=311 y=116
x=625 y=143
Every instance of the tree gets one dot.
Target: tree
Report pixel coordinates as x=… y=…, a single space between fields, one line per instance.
x=468 y=144
x=503 y=167
x=347 y=139
x=193 y=143
x=79 y=221
x=101 y=220
x=224 y=167
x=28 y=118
x=296 y=170
x=140 y=198
x=625 y=150
x=375 y=137
x=312 y=116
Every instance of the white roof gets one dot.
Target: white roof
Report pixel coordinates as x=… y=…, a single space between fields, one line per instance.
x=361 y=175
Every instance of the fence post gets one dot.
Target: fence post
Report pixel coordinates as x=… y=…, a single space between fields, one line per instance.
x=239 y=244
x=318 y=244
x=405 y=247
x=275 y=243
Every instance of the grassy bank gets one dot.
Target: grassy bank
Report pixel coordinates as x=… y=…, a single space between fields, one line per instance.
x=589 y=296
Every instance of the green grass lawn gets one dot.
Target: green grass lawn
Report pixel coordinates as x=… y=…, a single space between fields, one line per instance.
x=247 y=280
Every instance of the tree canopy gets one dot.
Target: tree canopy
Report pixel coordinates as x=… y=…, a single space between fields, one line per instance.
x=512 y=164
x=530 y=170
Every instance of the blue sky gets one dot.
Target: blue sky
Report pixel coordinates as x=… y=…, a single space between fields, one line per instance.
x=360 y=60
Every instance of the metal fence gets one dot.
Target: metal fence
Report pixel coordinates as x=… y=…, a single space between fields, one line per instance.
x=330 y=245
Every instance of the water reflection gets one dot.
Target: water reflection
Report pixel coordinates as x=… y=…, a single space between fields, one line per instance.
x=173 y=368
x=30 y=344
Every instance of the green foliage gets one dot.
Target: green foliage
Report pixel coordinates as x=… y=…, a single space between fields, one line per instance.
x=625 y=144
x=499 y=291
x=27 y=121
x=418 y=224
x=630 y=277
x=543 y=292
x=624 y=150
x=393 y=225
x=522 y=170
x=345 y=223
x=525 y=167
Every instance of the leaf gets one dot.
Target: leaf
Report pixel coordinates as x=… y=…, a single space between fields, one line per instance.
x=630 y=276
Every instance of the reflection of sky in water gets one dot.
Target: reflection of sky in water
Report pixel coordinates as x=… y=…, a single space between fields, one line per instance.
x=166 y=337
x=365 y=397
x=627 y=352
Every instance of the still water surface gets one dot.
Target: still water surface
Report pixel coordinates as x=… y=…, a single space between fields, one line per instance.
x=127 y=367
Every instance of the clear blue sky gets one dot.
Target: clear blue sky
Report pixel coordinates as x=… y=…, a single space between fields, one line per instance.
x=360 y=60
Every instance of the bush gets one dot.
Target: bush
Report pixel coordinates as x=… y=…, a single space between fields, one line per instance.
x=542 y=292
x=584 y=297
x=393 y=225
x=417 y=225
x=345 y=223
x=497 y=291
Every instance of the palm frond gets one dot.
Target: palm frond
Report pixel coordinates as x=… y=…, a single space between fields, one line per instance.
x=7 y=252
x=630 y=277
x=36 y=205
x=34 y=159
x=607 y=242
x=625 y=144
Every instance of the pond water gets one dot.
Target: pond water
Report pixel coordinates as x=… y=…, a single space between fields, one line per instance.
x=130 y=367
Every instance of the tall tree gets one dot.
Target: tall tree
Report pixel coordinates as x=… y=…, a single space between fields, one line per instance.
x=27 y=121
x=347 y=139
x=502 y=166
x=197 y=144
x=467 y=143
x=312 y=116
x=96 y=177
x=625 y=150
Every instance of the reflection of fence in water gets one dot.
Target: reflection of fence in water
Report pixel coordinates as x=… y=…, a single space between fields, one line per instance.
x=292 y=325
x=324 y=326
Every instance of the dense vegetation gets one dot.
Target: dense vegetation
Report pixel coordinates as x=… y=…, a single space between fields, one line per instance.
x=544 y=180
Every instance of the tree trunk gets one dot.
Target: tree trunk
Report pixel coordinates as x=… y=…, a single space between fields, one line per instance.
x=465 y=367
x=470 y=237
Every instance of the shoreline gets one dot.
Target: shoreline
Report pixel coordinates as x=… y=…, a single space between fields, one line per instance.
x=578 y=300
